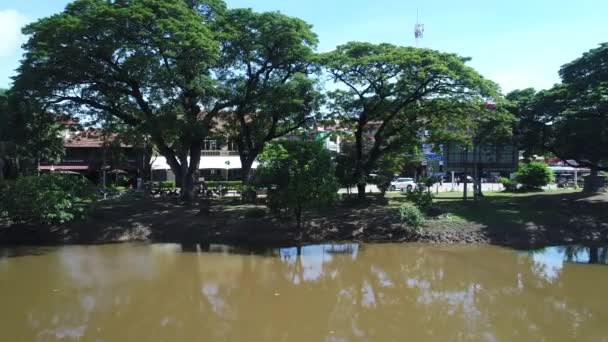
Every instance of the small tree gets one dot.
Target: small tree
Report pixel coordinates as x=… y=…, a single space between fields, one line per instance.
x=534 y=175
x=51 y=198
x=298 y=175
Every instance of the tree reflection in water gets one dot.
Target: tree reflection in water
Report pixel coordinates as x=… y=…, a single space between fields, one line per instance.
x=309 y=293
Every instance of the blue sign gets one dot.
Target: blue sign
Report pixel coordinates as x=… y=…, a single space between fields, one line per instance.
x=433 y=156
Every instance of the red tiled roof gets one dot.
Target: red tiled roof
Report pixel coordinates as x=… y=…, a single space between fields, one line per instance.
x=90 y=138
x=67 y=120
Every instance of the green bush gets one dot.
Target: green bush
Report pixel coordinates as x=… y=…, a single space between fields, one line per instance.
x=508 y=184
x=255 y=213
x=226 y=185
x=534 y=175
x=166 y=184
x=421 y=198
x=297 y=175
x=48 y=198
x=412 y=216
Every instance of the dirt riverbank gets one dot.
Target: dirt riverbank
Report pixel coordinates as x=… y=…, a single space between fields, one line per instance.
x=519 y=222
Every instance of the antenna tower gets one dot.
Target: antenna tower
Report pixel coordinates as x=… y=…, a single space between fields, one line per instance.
x=418 y=30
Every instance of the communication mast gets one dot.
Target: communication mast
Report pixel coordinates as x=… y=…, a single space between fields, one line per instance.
x=418 y=30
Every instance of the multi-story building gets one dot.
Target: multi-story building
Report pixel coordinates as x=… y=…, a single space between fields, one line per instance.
x=89 y=152
x=218 y=162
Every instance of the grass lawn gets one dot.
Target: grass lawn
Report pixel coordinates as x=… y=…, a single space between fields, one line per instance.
x=522 y=215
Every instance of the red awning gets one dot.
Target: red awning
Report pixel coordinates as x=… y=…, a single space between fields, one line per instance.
x=64 y=167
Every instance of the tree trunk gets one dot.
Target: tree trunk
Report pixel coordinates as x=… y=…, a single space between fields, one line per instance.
x=298 y=212
x=359 y=172
x=480 y=188
x=248 y=194
x=593 y=255
x=187 y=185
x=465 y=183
x=593 y=183
x=361 y=190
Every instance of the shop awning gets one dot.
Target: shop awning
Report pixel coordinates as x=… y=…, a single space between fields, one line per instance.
x=207 y=163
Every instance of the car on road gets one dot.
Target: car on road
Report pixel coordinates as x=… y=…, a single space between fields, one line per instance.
x=402 y=183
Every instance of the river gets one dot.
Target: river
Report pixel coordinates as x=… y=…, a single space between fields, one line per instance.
x=348 y=292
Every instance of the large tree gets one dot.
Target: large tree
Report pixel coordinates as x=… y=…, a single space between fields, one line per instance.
x=29 y=134
x=389 y=95
x=569 y=120
x=266 y=59
x=145 y=62
x=581 y=124
x=530 y=123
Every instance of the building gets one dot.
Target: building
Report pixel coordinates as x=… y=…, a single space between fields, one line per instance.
x=218 y=162
x=91 y=151
x=221 y=161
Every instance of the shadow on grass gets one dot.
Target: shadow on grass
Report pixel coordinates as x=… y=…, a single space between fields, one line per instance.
x=533 y=219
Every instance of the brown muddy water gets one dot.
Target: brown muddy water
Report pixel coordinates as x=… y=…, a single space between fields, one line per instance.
x=134 y=292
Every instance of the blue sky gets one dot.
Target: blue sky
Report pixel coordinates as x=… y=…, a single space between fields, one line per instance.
x=516 y=43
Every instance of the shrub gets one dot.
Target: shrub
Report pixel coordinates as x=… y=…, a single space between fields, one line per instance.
x=412 y=216
x=534 y=175
x=435 y=211
x=298 y=175
x=420 y=197
x=508 y=184
x=428 y=182
x=382 y=181
x=226 y=185
x=255 y=213
x=167 y=184
x=49 y=198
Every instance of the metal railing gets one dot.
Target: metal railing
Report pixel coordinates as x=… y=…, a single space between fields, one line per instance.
x=219 y=153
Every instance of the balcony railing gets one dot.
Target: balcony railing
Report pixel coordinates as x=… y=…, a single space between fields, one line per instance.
x=219 y=153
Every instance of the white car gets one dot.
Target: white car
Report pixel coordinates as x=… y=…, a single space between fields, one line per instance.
x=403 y=184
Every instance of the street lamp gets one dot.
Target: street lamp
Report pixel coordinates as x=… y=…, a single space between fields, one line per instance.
x=227 y=163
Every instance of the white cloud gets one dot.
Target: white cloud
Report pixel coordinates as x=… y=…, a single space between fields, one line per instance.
x=11 y=22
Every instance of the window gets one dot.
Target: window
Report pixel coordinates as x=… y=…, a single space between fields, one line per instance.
x=210 y=145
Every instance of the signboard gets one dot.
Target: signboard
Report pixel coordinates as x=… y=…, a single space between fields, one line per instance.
x=490 y=157
x=429 y=155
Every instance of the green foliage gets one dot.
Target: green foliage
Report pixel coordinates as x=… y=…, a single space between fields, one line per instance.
x=49 y=198
x=255 y=213
x=413 y=217
x=298 y=175
x=388 y=166
x=345 y=165
x=32 y=133
x=145 y=63
x=529 y=121
x=233 y=185
x=569 y=120
x=164 y=185
x=508 y=184
x=534 y=175
x=391 y=93
x=383 y=181
x=265 y=63
x=420 y=197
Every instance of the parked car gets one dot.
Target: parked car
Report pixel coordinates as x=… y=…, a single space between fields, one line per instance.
x=402 y=183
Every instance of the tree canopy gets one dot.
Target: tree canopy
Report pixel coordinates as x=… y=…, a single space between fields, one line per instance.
x=298 y=175
x=266 y=58
x=569 y=120
x=28 y=134
x=389 y=95
x=145 y=62
x=177 y=71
